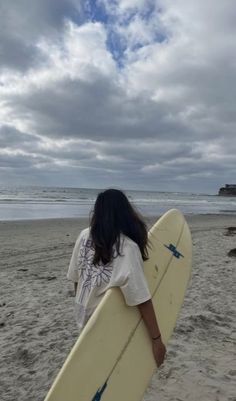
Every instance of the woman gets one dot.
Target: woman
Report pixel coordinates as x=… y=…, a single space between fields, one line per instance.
x=110 y=253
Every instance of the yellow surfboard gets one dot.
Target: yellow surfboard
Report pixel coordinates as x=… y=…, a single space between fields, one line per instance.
x=112 y=359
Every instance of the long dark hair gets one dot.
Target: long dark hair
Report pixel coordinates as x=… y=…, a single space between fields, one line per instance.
x=112 y=215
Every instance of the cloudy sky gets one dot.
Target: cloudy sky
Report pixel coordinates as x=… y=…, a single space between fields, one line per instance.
x=130 y=93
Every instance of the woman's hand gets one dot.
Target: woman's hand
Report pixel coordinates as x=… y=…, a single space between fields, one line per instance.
x=159 y=351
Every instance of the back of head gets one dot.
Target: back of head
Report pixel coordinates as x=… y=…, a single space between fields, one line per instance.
x=112 y=215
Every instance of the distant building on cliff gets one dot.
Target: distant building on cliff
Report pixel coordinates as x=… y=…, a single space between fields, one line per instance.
x=228 y=190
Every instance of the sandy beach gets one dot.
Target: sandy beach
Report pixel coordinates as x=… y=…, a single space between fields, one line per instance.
x=37 y=328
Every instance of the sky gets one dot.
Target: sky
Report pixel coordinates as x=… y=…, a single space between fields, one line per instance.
x=137 y=94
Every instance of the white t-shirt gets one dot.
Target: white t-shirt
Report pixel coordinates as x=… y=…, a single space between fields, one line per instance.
x=124 y=271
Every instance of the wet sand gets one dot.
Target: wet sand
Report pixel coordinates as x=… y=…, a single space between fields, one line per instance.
x=37 y=328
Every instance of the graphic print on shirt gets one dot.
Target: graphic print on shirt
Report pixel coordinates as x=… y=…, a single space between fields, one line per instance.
x=91 y=275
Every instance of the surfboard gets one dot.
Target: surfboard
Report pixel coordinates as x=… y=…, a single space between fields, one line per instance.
x=112 y=359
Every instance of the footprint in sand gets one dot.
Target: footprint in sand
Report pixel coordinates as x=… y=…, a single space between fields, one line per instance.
x=232 y=253
x=231 y=231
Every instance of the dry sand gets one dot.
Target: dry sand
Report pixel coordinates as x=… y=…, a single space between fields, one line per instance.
x=37 y=328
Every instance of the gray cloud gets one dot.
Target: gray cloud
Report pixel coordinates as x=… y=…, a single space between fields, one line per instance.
x=24 y=23
x=11 y=137
x=167 y=118
x=16 y=54
x=98 y=110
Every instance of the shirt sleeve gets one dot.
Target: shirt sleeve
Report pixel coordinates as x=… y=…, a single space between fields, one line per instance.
x=73 y=272
x=135 y=288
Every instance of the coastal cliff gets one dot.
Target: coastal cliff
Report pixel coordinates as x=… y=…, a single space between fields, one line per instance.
x=228 y=190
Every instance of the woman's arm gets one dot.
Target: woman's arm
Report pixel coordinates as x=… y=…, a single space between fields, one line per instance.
x=148 y=314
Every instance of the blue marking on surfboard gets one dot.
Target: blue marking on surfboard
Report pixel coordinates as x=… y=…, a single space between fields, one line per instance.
x=173 y=249
x=99 y=393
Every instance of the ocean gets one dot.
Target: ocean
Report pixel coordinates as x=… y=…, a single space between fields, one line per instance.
x=23 y=203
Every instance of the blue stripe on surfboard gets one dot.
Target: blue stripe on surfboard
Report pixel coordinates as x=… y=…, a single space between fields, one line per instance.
x=173 y=249
x=99 y=393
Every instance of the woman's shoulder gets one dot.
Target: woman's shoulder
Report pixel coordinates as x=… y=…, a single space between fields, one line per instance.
x=130 y=249
x=127 y=242
x=84 y=234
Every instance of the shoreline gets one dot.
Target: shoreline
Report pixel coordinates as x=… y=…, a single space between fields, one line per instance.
x=230 y=213
x=197 y=222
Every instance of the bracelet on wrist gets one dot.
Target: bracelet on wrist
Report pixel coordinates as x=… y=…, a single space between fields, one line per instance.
x=156 y=338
